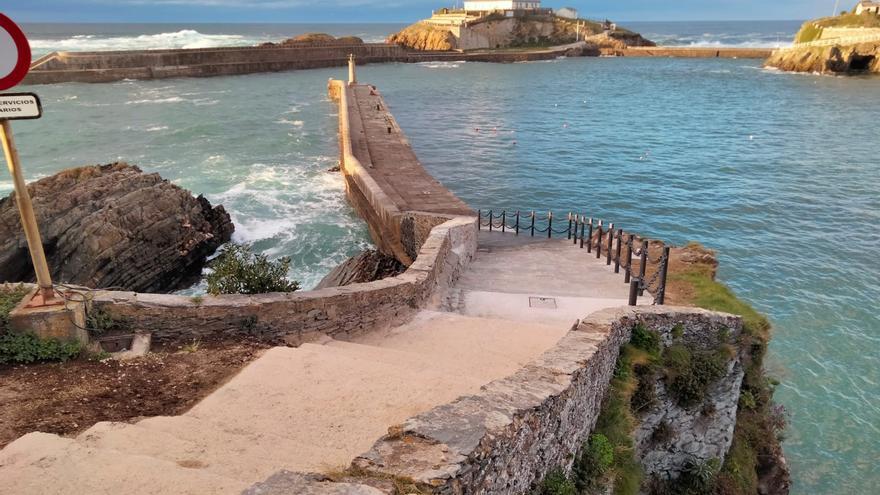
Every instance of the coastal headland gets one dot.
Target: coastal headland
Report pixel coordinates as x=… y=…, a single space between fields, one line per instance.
x=845 y=44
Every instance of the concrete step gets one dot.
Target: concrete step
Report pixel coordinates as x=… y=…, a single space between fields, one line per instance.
x=45 y=464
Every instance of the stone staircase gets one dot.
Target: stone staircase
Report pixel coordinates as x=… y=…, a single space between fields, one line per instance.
x=307 y=409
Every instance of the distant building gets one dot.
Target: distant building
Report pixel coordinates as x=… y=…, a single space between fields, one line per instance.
x=868 y=6
x=567 y=12
x=502 y=6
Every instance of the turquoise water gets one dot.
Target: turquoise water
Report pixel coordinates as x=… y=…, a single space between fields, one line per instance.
x=778 y=172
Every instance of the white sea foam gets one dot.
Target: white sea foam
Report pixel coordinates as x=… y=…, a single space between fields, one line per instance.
x=171 y=99
x=442 y=65
x=186 y=38
x=156 y=128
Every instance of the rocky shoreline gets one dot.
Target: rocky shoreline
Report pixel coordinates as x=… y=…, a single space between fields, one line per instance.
x=114 y=226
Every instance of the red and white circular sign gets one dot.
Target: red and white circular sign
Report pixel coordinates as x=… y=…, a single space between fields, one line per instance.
x=15 y=53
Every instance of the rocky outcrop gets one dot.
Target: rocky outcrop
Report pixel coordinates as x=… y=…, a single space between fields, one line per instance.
x=426 y=37
x=616 y=42
x=494 y=32
x=114 y=226
x=320 y=39
x=836 y=59
x=368 y=266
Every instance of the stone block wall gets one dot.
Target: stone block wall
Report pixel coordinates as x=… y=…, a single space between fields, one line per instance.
x=339 y=311
x=510 y=435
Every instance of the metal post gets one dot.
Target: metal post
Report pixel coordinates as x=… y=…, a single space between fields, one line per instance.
x=629 y=259
x=517 y=222
x=664 y=270
x=634 y=291
x=569 y=226
x=479 y=219
x=619 y=247
x=577 y=219
x=599 y=242
x=26 y=211
x=504 y=221
x=610 y=243
x=549 y=225
x=643 y=265
x=490 y=220
x=583 y=230
x=533 y=223
x=590 y=237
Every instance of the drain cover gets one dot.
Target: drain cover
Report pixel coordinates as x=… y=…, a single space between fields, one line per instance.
x=542 y=302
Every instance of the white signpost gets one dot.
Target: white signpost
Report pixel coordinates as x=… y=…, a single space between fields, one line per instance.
x=15 y=61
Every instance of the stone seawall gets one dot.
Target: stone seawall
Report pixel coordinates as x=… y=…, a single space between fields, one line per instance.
x=338 y=312
x=100 y=67
x=517 y=429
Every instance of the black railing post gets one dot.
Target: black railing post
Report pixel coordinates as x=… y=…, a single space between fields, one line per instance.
x=610 y=243
x=549 y=224
x=643 y=265
x=664 y=270
x=634 y=286
x=577 y=219
x=629 y=259
x=479 y=219
x=619 y=248
x=590 y=237
x=504 y=221
x=599 y=242
x=533 y=223
x=569 y=226
x=583 y=230
x=517 y=222
x=491 y=221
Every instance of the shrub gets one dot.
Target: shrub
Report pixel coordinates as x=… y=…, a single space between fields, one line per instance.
x=690 y=373
x=595 y=460
x=645 y=394
x=557 y=483
x=646 y=340
x=28 y=348
x=99 y=322
x=239 y=271
x=9 y=298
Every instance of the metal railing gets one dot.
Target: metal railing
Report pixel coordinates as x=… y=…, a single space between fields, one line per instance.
x=620 y=248
x=847 y=40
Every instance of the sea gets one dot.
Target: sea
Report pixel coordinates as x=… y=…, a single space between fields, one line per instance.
x=778 y=172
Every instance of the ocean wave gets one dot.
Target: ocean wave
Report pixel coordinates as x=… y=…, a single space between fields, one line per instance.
x=442 y=65
x=186 y=38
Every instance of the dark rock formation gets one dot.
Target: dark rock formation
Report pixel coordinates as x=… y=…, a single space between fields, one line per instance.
x=368 y=266
x=114 y=226
x=317 y=39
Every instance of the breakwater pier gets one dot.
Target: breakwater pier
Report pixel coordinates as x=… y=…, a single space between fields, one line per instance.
x=109 y=66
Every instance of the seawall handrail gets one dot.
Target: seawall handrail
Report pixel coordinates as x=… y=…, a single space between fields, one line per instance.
x=595 y=236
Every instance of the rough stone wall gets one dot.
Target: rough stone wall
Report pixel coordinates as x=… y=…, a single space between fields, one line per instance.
x=826 y=59
x=340 y=311
x=701 y=433
x=517 y=429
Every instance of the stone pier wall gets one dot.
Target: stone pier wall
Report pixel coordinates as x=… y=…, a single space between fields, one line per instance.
x=517 y=429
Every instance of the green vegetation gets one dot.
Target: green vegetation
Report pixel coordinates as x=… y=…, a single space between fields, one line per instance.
x=9 y=298
x=812 y=30
x=28 y=348
x=100 y=322
x=557 y=483
x=239 y=271
x=760 y=423
x=689 y=372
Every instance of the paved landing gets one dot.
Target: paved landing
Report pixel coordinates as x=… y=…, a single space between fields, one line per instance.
x=538 y=280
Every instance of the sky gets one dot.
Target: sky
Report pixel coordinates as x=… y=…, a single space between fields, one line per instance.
x=176 y=11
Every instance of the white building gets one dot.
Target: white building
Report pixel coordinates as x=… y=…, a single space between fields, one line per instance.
x=567 y=12
x=501 y=5
x=865 y=6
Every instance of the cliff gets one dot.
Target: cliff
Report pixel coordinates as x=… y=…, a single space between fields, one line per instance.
x=494 y=32
x=845 y=44
x=834 y=59
x=114 y=226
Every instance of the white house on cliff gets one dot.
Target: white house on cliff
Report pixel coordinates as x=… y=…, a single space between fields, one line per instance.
x=865 y=6
x=501 y=5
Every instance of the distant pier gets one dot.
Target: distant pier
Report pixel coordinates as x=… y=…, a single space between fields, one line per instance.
x=101 y=67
